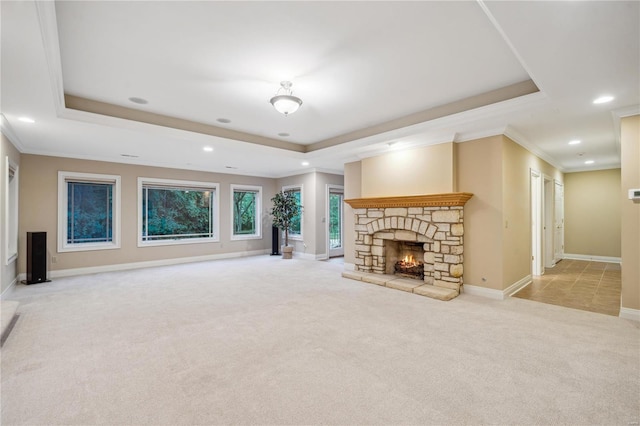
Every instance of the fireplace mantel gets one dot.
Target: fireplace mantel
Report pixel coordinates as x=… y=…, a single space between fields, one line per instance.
x=430 y=200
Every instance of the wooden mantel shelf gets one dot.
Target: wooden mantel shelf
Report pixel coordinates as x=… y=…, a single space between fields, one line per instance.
x=431 y=200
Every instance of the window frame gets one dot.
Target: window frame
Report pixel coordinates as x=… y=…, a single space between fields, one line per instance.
x=297 y=237
x=258 y=212
x=12 y=194
x=175 y=183
x=63 y=178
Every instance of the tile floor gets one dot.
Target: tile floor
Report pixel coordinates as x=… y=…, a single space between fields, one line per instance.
x=578 y=284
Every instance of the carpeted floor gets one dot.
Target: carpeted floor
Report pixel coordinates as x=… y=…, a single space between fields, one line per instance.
x=267 y=341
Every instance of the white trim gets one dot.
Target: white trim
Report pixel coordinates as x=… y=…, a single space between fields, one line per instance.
x=7 y=130
x=630 y=314
x=7 y=291
x=258 y=212
x=517 y=286
x=150 y=264
x=63 y=176
x=593 y=258
x=11 y=211
x=321 y=256
x=483 y=292
x=212 y=186
x=327 y=219
x=349 y=266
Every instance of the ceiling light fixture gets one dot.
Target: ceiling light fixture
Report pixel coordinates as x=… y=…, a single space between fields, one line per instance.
x=27 y=120
x=285 y=103
x=603 y=99
x=589 y=162
x=305 y=163
x=574 y=142
x=207 y=148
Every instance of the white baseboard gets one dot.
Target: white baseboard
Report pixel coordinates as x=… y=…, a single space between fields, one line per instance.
x=349 y=266
x=497 y=294
x=7 y=291
x=630 y=314
x=515 y=287
x=483 y=292
x=148 y=264
x=322 y=256
x=607 y=259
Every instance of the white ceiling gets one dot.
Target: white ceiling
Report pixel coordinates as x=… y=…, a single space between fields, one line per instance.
x=369 y=73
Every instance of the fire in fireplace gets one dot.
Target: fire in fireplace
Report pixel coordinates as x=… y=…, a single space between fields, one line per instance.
x=410 y=268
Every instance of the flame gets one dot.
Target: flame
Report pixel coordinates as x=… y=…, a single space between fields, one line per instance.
x=409 y=260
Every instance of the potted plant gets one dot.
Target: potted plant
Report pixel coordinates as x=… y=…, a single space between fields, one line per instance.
x=285 y=209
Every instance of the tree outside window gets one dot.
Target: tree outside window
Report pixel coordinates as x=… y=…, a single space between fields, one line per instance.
x=245 y=205
x=295 y=231
x=88 y=211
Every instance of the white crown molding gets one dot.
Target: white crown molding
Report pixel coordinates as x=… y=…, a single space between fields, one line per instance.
x=7 y=130
x=518 y=138
x=617 y=115
x=592 y=169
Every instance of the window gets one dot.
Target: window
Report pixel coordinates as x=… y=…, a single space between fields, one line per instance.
x=88 y=211
x=295 y=232
x=176 y=212
x=11 y=211
x=246 y=202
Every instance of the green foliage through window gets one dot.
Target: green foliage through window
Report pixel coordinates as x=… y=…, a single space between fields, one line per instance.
x=176 y=213
x=89 y=212
x=295 y=226
x=244 y=212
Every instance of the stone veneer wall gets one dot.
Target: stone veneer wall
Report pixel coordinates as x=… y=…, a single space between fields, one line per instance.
x=440 y=229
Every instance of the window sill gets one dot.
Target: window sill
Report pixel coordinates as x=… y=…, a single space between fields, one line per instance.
x=87 y=247
x=245 y=237
x=177 y=242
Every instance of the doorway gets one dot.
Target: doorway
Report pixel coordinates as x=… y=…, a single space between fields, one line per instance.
x=335 y=225
x=536 y=223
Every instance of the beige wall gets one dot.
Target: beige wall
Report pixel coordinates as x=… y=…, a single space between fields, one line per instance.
x=38 y=212
x=425 y=170
x=630 y=223
x=479 y=171
x=352 y=189
x=592 y=213
x=8 y=272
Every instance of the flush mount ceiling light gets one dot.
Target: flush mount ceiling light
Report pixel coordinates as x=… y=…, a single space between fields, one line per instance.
x=27 y=120
x=603 y=99
x=574 y=142
x=285 y=103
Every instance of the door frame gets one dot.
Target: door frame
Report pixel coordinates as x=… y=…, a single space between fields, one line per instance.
x=335 y=188
x=537 y=268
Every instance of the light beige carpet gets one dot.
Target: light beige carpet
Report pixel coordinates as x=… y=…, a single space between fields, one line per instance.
x=267 y=341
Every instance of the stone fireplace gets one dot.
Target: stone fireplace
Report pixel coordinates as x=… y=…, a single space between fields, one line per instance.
x=397 y=236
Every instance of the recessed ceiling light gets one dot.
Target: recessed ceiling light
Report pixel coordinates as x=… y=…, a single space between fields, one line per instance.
x=284 y=134
x=207 y=148
x=574 y=142
x=223 y=120
x=589 y=162
x=139 y=101
x=305 y=163
x=603 y=99
x=230 y=167
x=27 y=120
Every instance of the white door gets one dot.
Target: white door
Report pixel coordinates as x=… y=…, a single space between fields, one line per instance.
x=335 y=213
x=558 y=237
x=547 y=223
x=536 y=223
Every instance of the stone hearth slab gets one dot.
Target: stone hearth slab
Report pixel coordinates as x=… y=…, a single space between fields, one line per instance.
x=436 y=292
x=404 y=284
x=379 y=279
x=354 y=275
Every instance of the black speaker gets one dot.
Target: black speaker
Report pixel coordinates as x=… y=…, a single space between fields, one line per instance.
x=36 y=257
x=275 y=241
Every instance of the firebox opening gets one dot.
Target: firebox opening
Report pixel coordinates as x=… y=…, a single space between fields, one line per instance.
x=404 y=258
